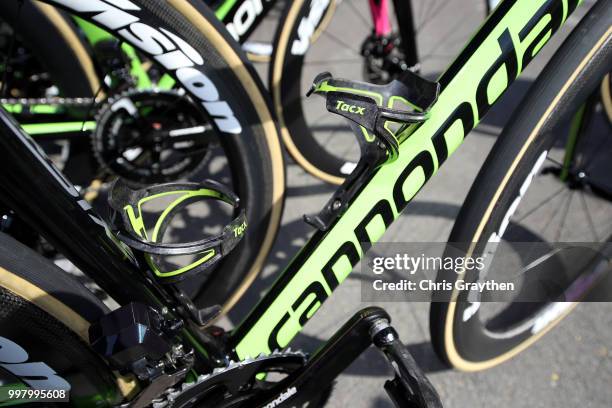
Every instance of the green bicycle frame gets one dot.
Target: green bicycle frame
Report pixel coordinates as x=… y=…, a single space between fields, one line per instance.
x=504 y=44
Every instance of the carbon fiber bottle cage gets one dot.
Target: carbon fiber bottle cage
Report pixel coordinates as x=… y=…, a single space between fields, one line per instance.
x=371 y=112
x=129 y=225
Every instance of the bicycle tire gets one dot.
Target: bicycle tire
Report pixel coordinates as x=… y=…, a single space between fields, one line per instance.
x=284 y=84
x=47 y=313
x=254 y=153
x=572 y=75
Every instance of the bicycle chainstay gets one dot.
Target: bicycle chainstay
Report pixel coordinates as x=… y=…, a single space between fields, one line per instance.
x=236 y=378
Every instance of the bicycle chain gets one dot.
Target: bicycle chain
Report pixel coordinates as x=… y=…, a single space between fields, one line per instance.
x=56 y=100
x=172 y=394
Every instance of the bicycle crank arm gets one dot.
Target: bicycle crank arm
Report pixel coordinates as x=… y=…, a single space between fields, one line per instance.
x=410 y=387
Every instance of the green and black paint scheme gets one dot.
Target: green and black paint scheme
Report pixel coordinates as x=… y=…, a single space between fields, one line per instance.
x=507 y=41
x=503 y=46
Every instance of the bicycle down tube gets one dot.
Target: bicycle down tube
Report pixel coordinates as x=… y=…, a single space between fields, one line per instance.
x=505 y=43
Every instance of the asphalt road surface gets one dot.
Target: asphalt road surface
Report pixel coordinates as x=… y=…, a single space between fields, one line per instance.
x=570 y=367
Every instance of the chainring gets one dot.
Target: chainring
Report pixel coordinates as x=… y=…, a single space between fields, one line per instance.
x=152 y=136
x=235 y=385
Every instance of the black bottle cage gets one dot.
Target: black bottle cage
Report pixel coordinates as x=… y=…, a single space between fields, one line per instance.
x=129 y=226
x=370 y=110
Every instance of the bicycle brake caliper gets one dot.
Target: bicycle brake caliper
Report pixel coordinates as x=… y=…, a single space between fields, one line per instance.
x=378 y=124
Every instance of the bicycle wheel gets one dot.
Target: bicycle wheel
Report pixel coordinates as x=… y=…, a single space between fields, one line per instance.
x=48 y=58
x=232 y=101
x=48 y=53
x=522 y=193
x=329 y=35
x=44 y=320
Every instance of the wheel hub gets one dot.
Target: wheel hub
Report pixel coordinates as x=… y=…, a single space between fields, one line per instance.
x=384 y=58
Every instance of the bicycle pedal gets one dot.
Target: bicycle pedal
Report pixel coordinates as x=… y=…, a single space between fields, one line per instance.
x=410 y=387
x=130 y=227
x=370 y=111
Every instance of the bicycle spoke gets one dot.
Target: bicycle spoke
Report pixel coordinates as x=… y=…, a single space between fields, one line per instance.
x=321 y=116
x=358 y=13
x=541 y=204
x=426 y=19
x=564 y=216
x=597 y=152
x=554 y=213
x=588 y=215
x=556 y=162
x=443 y=41
x=422 y=12
x=329 y=137
x=337 y=40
